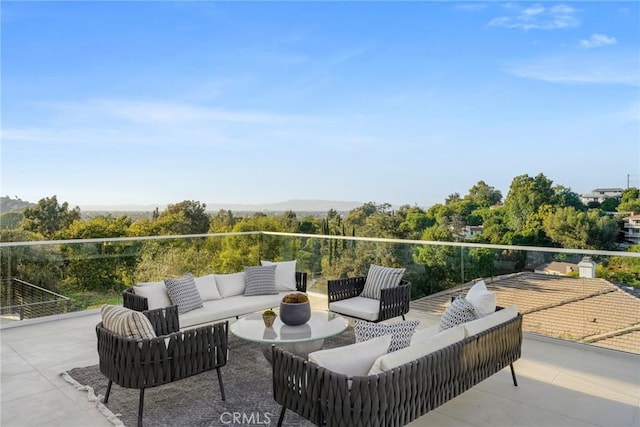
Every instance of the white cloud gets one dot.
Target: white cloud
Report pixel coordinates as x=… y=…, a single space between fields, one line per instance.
x=609 y=69
x=537 y=17
x=598 y=40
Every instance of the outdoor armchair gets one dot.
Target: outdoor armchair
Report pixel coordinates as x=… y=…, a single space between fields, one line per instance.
x=171 y=356
x=345 y=297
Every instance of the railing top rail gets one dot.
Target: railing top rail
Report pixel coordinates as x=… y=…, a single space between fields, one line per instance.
x=324 y=236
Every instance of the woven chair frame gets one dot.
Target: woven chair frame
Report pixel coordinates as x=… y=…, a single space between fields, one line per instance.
x=400 y=395
x=140 y=303
x=171 y=356
x=394 y=301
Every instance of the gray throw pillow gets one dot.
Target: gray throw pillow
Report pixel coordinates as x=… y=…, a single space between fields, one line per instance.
x=401 y=332
x=460 y=311
x=260 y=280
x=183 y=292
x=379 y=278
x=127 y=323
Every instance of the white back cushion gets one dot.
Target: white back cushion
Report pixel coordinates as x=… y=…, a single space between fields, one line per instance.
x=417 y=350
x=426 y=333
x=207 y=287
x=155 y=293
x=285 y=274
x=484 y=323
x=482 y=300
x=230 y=284
x=352 y=360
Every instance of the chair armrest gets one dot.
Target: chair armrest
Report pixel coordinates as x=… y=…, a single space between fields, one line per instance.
x=297 y=384
x=301 y=281
x=344 y=288
x=198 y=350
x=395 y=301
x=133 y=301
x=164 y=320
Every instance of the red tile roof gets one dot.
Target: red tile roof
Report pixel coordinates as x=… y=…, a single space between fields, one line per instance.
x=587 y=310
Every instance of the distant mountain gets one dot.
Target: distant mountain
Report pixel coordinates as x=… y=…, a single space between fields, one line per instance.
x=289 y=205
x=7 y=204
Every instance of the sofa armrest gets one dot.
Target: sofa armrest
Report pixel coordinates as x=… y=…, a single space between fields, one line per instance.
x=344 y=288
x=395 y=301
x=301 y=281
x=164 y=320
x=133 y=301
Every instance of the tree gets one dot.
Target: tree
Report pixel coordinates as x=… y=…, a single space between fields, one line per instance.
x=564 y=197
x=570 y=228
x=483 y=195
x=525 y=197
x=630 y=200
x=610 y=204
x=48 y=217
x=187 y=217
x=100 y=266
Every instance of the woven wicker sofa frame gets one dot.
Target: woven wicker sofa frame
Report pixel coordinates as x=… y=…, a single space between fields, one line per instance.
x=394 y=301
x=398 y=396
x=140 y=303
x=172 y=356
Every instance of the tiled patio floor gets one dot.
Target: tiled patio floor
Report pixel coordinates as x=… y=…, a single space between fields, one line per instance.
x=560 y=384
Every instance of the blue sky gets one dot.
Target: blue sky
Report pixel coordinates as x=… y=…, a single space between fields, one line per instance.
x=392 y=102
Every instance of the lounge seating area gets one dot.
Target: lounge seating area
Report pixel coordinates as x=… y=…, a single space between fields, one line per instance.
x=560 y=383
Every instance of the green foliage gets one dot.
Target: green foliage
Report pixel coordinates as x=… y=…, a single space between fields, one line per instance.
x=48 y=217
x=526 y=196
x=630 y=200
x=11 y=220
x=581 y=230
x=610 y=204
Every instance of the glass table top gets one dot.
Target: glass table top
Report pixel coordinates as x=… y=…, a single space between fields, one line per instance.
x=321 y=325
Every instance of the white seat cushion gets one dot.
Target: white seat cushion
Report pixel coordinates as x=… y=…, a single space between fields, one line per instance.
x=361 y=307
x=229 y=307
x=352 y=360
x=476 y=326
x=416 y=351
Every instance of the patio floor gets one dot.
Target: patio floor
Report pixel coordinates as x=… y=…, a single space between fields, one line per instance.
x=560 y=383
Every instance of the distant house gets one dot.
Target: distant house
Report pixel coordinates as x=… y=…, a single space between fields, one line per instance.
x=631 y=228
x=599 y=195
x=470 y=231
x=556 y=268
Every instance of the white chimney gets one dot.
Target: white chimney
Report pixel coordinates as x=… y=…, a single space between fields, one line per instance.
x=587 y=268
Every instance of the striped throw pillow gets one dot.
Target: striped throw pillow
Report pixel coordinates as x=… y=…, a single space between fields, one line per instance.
x=379 y=278
x=127 y=323
x=260 y=280
x=183 y=292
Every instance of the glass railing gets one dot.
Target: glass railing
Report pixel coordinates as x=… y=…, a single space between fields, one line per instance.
x=580 y=295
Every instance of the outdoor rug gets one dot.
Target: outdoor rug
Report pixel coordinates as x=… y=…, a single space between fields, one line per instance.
x=196 y=401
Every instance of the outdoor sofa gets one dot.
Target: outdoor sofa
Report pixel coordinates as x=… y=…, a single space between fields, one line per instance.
x=403 y=385
x=223 y=296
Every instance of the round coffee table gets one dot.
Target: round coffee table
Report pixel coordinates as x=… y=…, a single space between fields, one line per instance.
x=300 y=340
